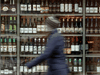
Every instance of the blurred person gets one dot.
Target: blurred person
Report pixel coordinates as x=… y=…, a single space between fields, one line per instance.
x=53 y=52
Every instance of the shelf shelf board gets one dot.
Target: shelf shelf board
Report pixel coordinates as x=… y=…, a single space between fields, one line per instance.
x=39 y=55
x=8 y=35
x=8 y=14
x=46 y=35
x=92 y=14
x=8 y=55
x=51 y=14
x=92 y=55
x=92 y=72
x=92 y=34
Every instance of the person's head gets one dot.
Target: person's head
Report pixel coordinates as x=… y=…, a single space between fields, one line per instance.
x=52 y=23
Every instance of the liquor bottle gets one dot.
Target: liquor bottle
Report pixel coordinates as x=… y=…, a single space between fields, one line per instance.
x=76 y=7
x=39 y=46
x=91 y=7
x=14 y=26
x=25 y=67
x=62 y=6
x=35 y=46
x=1 y=45
x=46 y=9
x=25 y=6
x=42 y=7
x=68 y=50
x=34 y=6
x=75 y=68
x=70 y=6
x=87 y=7
x=22 y=46
x=70 y=64
x=43 y=44
x=6 y=67
x=96 y=26
x=10 y=49
x=29 y=70
x=21 y=67
x=30 y=46
x=21 y=6
x=76 y=27
x=5 y=8
x=50 y=7
x=29 y=6
x=38 y=25
x=15 y=66
x=72 y=30
x=80 y=65
x=43 y=26
x=14 y=46
x=26 y=25
x=54 y=7
x=21 y=27
x=87 y=26
x=13 y=8
x=77 y=45
x=2 y=27
x=86 y=45
x=80 y=27
x=63 y=26
x=58 y=7
x=5 y=45
x=30 y=27
x=80 y=9
x=26 y=46
x=10 y=26
x=73 y=45
x=96 y=7
x=67 y=27
x=91 y=27
x=66 y=6
x=38 y=6
x=59 y=29
x=34 y=26
x=98 y=65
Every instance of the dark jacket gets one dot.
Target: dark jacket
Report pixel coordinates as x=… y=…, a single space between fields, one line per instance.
x=53 y=54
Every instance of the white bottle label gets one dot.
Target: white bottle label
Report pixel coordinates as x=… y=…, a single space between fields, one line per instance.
x=26 y=48
x=80 y=9
x=91 y=9
x=2 y=71
x=30 y=30
x=22 y=48
x=70 y=68
x=14 y=48
x=80 y=30
x=21 y=30
x=76 y=8
x=63 y=30
x=42 y=27
x=70 y=7
x=67 y=30
x=76 y=30
x=6 y=71
x=61 y=7
x=35 y=49
x=29 y=7
x=72 y=48
x=25 y=7
x=22 y=7
x=59 y=30
x=1 y=48
x=38 y=27
x=33 y=69
x=99 y=9
x=72 y=30
x=25 y=69
x=29 y=70
x=66 y=8
x=34 y=7
x=38 y=8
x=30 y=48
x=34 y=30
x=26 y=30
x=13 y=9
x=21 y=68
x=39 y=49
x=14 y=68
x=80 y=69
x=87 y=9
x=5 y=48
x=95 y=9
x=10 y=49
x=77 y=48
x=5 y=8
x=75 y=69
x=98 y=69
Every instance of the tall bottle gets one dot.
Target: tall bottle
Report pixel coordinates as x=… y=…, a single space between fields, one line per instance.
x=46 y=7
x=22 y=26
x=98 y=65
x=50 y=7
x=42 y=7
x=25 y=6
x=13 y=7
x=26 y=26
x=34 y=6
x=21 y=6
x=22 y=46
x=75 y=68
x=72 y=30
x=27 y=46
x=58 y=7
x=87 y=7
x=91 y=7
x=70 y=6
x=59 y=28
x=39 y=46
x=10 y=49
x=80 y=65
x=34 y=26
x=70 y=64
x=29 y=6
x=35 y=46
x=96 y=26
x=14 y=46
x=91 y=26
x=62 y=6
x=76 y=27
x=30 y=46
x=67 y=27
x=76 y=7
x=66 y=6
x=43 y=44
x=30 y=27
x=5 y=45
x=54 y=7
x=77 y=45
x=63 y=26
x=96 y=7
x=80 y=27
x=80 y=9
x=38 y=6
x=87 y=26
x=73 y=45
x=5 y=8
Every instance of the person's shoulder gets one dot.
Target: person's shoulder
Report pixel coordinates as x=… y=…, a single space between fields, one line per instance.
x=57 y=36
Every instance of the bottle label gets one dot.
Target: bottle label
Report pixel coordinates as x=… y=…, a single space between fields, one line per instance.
x=63 y=30
x=29 y=70
x=39 y=49
x=2 y=71
x=25 y=69
x=6 y=71
x=21 y=68
x=76 y=8
x=29 y=7
x=98 y=69
x=72 y=30
x=59 y=30
x=75 y=69
x=25 y=7
x=5 y=8
x=34 y=30
x=30 y=48
x=38 y=68
x=76 y=30
x=42 y=10
x=42 y=27
x=80 y=30
x=13 y=9
x=43 y=48
x=5 y=48
x=42 y=68
x=87 y=31
x=99 y=9
x=86 y=46
x=10 y=28
x=25 y=30
x=38 y=7
x=46 y=9
x=77 y=48
x=21 y=30
x=80 y=69
x=80 y=10
x=72 y=47
x=38 y=27
x=2 y=27
x=67 y=30
x=96 y=30
x=30 y=30
x=95 y=9
x=22 y=48
x=91 y=10
x=22 y=7
x=33 y=69
x=87 y=9
x=14 y=48
x=14 y=68
x=1 y=48
x=26 y=48
x=14 y=27
x=81 y=47
x=61 y=7
x=70 y=68
x=35 y=49
x=34 y=7
x=66 y=7
x=9 y=48
x=70 y=7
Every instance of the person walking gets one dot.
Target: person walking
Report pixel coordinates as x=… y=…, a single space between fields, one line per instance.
x=54 y=50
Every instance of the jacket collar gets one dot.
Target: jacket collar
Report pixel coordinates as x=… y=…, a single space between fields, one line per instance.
x=54 y=31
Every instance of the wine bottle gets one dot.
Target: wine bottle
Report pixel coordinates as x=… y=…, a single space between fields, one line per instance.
x=87 y=7
x=76 y=27
x=62 y=6
x=66 y=6
x=76 y=7
x=29 y=6
x=80 y=9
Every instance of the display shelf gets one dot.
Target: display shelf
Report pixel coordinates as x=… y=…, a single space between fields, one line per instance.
x=92 y=72
x=8 y=14
x=8 y=55
x=51 y=14
x=92 y=14
x=39 y=55
x=92 y=34
x=8 y=34
x=92 y=55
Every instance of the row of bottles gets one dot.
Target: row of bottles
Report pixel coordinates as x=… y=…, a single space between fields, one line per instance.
x=8 y=6
x=42 y=67
x=75 y=64
x=30 y=45
x=93 y=64
x=92 y=6
x=53 y=6
x=8 y=25
x=8 y=45
x=9 y=66
x=37 y=25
